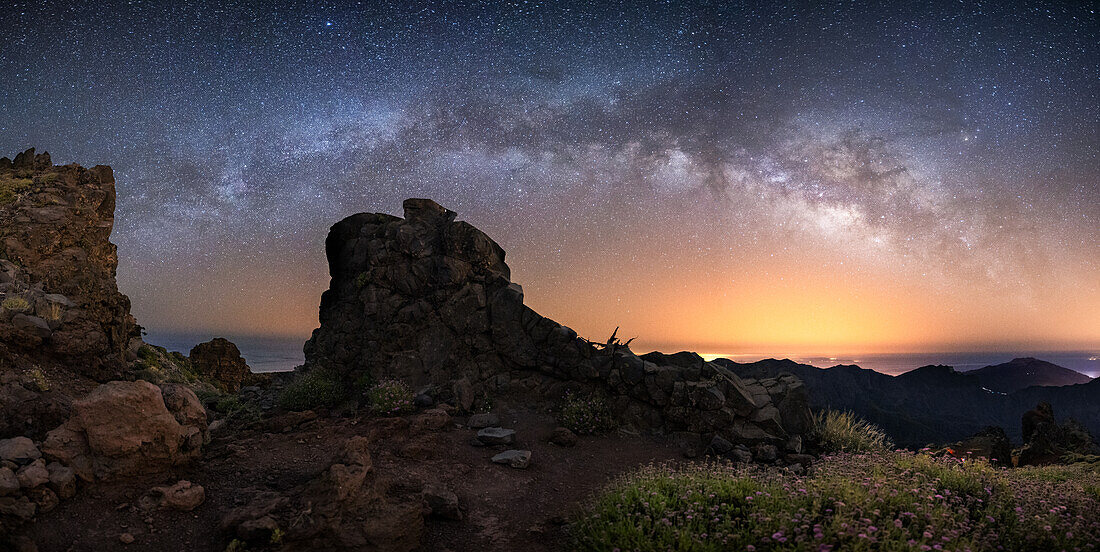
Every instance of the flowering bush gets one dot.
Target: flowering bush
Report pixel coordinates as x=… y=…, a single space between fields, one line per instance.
x=316 y=388
x=390 y=397
x=877 y=501
x=585 y=415
x=837 y=431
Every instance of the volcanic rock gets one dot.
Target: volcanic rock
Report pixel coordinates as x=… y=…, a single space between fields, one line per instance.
x=496 y=436
x=19 y=450
x=219 y=361
x=518 y=459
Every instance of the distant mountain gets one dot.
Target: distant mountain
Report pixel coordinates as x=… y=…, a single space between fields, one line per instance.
x=1020 y=373
x=932 y=404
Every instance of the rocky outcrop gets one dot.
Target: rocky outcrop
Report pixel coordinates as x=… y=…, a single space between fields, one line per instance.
x=220 y=362
x=991 y=443
x=129 y=427
x=429 y=300
x=60 y=302
x=1048 y=442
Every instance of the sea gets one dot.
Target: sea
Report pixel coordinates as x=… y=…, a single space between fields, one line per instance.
x=279 y=354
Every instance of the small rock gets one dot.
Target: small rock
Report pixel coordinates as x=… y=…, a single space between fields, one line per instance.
x=796 y=468
x=741 y=454
x=464 y=394
x=563 y=437
x=19 y=450
x=766 y=453
x=519 y=459
x=62 y=480
x=423 y=400
x=497 y=436
x=257 y=530
x=805 y=460
x=33 y=475
x=126 y=538
x=483 y=420
x=21 y=507
x=431 y=420
x=44 y=498
x=442 y=501
x=794 y=444
x=183 y=496
x=719 y=446
x=9 y=484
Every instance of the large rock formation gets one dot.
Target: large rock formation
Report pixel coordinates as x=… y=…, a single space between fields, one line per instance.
x=219 y=361
x=428 y=300
x=57 y=268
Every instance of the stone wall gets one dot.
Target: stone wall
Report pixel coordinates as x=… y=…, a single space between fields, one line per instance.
x=428 y=299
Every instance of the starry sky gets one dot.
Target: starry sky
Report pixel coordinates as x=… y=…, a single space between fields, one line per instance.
x=719 y=177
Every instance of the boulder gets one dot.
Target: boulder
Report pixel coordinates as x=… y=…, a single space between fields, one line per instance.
x=220 y=361
x=19 y=450
x=991 y=443
x=518 y=459
x=125 y=428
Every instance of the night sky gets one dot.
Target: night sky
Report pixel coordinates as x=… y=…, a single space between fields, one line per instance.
x=714 y=177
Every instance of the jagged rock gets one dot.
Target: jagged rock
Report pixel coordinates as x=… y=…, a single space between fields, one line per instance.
x=441 y=501
x=741 y=454
x=496 y=436
x=429 y=300
x=19 y=450
x=518 y=459
x=124 y=428
x=1047 y=441
x=483 y=420
x=431 y=420
x=719 y=446
x=182 y=496
x=563 y=437
x=220 y=361
x=32 y=325
x=765 y=453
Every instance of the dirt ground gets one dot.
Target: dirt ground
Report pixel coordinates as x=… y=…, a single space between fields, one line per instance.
x=505 y=508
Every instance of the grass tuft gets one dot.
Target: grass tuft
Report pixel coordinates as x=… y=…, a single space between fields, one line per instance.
x=837 y=431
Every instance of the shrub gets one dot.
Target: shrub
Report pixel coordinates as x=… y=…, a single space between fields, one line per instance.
x=10 y=188
x=38 y=378
x=390 y=397
x=586 y=415
x=837 y=431
x=874 y=501
x=16 y=304
x=362 y=280
x=238 y=412
x=53 y=312
x=315 y=388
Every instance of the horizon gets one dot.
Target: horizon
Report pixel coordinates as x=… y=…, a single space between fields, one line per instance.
x=706 y=178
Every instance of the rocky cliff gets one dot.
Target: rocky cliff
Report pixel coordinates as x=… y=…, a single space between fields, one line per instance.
x=429 y=300
x=60 y=302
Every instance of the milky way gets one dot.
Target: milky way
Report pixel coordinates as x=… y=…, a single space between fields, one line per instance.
x=707 y=176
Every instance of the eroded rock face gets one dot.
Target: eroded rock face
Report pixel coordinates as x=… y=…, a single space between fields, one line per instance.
x=126 y=427
x=57 y=265
x=429 y=300
x=221 y=362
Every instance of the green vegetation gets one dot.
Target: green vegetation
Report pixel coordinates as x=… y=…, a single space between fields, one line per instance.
x=313 y=389
x=390 y=397
x=874 y=501
x=16 y=304
x=362 y=280
x=238 y=412
x=588 y=415
x=838 y=431
x=11 y=188
x=38 y=379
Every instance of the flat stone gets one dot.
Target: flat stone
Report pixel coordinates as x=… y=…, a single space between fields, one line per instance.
x=518 y=459
x=496 y=436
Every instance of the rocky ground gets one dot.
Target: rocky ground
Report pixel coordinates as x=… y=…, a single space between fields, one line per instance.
x=499 y=507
